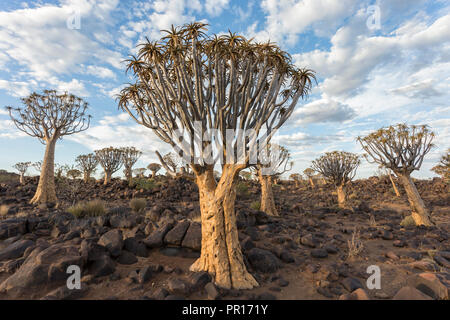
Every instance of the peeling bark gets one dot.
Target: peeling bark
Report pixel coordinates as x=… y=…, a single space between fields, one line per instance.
x=221 y=253
x=419 y=211
x=267 y=199
x=46 y=192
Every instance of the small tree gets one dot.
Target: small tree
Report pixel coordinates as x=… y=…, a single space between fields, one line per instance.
x=50 y=117
x=37 y=166
x=172 y=161
x=339 y=168
x=297 y=178
x=154 y=168
x=194 y=83
x=276 y=162
x=443 y=167
x=130 y=156
x=139 y=172
x=110 y=159
x=22 y=167
x=402 y=148
x=73 y=173
x=87 y=163
x=308 y=172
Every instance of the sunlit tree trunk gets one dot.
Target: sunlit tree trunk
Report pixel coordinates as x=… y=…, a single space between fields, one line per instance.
x=107 y=178
x=311 y=182
x=86 y=177
x=341 y=196
x=267 y=200
x=46 y=192
x=221 y=253
x=22 y=178
x=393 y=185
x=419 y=211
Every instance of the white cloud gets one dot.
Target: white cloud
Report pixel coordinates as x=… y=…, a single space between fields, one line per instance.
x=15 y=88
x=100 y=72
x=215 y=7
x=323 y=110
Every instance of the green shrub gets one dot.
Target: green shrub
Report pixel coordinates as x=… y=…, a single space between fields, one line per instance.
x=145 y=183
x=138 y=204
x=92 y=208
x=408 y=222
x=255 y=205
x=242 y=189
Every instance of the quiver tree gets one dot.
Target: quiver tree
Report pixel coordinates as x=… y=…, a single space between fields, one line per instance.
x=37 y=166
x=443 y=167
x=171 y=161
x=87 y=163
x=22 y=167
x=401 y=148
x=139 y=172
x=297 y=178
x=194 y=86
x=154 y=168
x=50 y=117
x=274 y=162
x=130 y=156
x=111 y=160
x=308 y=172
x=339 y=168
x=73 y=173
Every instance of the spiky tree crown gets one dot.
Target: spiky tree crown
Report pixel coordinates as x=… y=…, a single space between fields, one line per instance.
x=309 y=172
x=51 y=115
x=154 y=167
x=339 y=167
x=22 y=167
x=111 y=159
x=276 y=158
x=400 y=148
x=443 y=167
x=130 y=156
x=87 y=162
x=37 y=165
x=296 y=176
x=223 y=82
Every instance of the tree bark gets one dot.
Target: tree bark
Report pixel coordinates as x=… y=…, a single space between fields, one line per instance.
x=341 y=195
x=221 y=254
x=107 y=178
x=129 y=176
x=46 y=192
x=86 y=177
x=22 y=179
x=153 y=174
x=393 y=185
x=419 y=211
x=311 y=182
x=267 y=200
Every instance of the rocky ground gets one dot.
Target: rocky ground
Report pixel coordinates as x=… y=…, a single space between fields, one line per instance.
x=303 y=254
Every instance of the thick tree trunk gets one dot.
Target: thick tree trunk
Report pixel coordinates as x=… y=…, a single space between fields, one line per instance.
x=46 y=192
x=393 y=185
x=267 y=200
x=221 y=253
x=129 y=176
x=86 y=177
x=419 y=211
x=107 y=178
x=311 y=182
x=22 y=179
x=153 y=174
x=341 y=195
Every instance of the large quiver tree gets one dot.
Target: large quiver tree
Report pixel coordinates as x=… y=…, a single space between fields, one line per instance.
x=49 y=117
x=191 y=83
x=339 y=168
x=402 y=149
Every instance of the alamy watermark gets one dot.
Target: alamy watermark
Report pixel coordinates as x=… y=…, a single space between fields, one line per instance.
x=74 y=280
x=373 y=22
x=73 y=22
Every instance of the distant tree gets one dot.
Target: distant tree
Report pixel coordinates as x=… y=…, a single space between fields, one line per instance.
x=387 y=172
x=130 y=156
x=172 y=161
x=73 y=173
x=87 y=163
x=339 y=168
x=402 y=148
x=275 y=161
x=297 y=178
x=110 y=159
x=50 y=117
x=139 y=172
x=443 y=167
x=308 y=172
x=22 y=167
x=37 y=166
x=154 y=168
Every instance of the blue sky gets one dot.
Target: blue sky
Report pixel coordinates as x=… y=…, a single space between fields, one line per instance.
x=371 y=72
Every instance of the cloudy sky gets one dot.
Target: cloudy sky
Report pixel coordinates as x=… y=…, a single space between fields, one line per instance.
x=378 y=63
